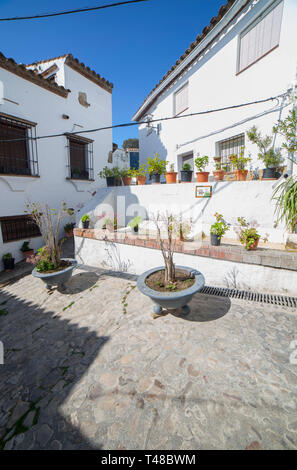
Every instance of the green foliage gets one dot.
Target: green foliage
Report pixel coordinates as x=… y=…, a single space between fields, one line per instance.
x=156 y=166
x=3 y=312
x=132 y=143
x=201 y=162
x=25 y=246
x=285 y=196
x=85 y=218
x=107 y=172
x=248 y=234
x=287 y=128
x=220 y=227
x=45 y=262
x=187 y=167
x=270 y=157
x=135 y=222
x=240 y=162
x=126 y=172
x=7 y=256
x=171 y=167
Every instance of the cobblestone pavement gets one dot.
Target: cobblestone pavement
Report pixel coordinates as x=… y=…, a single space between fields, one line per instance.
x=80 y=373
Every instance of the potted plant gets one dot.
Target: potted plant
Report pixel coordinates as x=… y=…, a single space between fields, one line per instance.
x=171 y=174
x=267 y=154
x=26 y=250
x=8 y=262
x=169 y=286
x=201 y=162
x=68 y=229
x=75 y=173
x=218 y=229
x=110 y=224
x=51 y=268
x=156 y=168
x=186 y=173
x=239 y=163
x=140 y=174
x=85 y=221
x=134 y=224
x=126 y=175
x=219 y=172
x=248 y=235
x=111 y=175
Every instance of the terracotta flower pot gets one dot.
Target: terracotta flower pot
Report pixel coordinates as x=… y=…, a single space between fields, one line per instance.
x=218 y=175
x=241 y=175
x=171 y=177
x=126 y=180
x=202 y=176
x=141 y=179
x=28 y=253
x=254 y=246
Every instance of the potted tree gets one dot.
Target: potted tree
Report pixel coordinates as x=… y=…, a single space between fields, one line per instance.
x=219 y=172
x=51 y=268
x=85 y=220
x=267 y=154
x=134 y=224
x=171 y=174
x=26 y=250
x=201 y=162
x=239 y=164
x=218 y=229
x=68 y=229
x=169 y=286
x=8 y=262
x=156 y=168
x=186 y=173
x=140 y=174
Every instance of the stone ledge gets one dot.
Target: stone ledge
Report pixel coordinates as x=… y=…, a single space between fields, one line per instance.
x=264 y=257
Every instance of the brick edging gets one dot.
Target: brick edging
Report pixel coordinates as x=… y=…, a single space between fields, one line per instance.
x=262 y=256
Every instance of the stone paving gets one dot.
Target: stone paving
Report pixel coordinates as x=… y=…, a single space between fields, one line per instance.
x=89 y=368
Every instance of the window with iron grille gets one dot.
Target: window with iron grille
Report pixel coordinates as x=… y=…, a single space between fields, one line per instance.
x=18 y=227
x=228 y=147
x=18 y=149
x=261 y=37
x=80 y=158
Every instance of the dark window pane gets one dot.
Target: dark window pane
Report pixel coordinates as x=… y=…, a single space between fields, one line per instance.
x=18 y=228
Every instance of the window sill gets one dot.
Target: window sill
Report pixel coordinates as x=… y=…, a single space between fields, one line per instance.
x=84 y=180
x=257 y=60
x=181 y=112
x=19 y=175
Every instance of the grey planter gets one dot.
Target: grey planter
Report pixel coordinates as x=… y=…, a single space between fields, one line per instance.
x=59 y=278
x=171 y=300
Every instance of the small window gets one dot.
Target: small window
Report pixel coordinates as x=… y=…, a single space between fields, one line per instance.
x=18 y=227
x=18 y=153
x=230 y=147
x=80 y=158
x=181 y=100
x=261 y=38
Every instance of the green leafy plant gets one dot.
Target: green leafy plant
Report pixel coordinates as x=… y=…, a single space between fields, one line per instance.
x=240 y=162
x=7 y=256
x=201 y=162
x=285 y=196
x=270 y=157
x=219 y=166
x=141 y=171
x=187 y=167
x=126 y=172
x=287 y=128
x=85 y=218
x=26 y=246
x=248 y=235
x=156 y=166
x=135 y=222
x=107 y=172
x=110 y=222
x=171 y=167
x=44 y=262
x=220 y=227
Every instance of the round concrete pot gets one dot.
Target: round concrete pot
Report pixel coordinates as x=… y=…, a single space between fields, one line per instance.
x=58 y=278
x=171 y=300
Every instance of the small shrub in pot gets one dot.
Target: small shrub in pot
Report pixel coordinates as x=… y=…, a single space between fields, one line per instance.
x=8 y=262
x=239 y=164
x=134 y=224
x=248 y=234
x=85 y=220
x=200 y=163
x=156 y=168
x=171 y=174
x=26 y=250
x=218 y=229
x=186 y=173
x=267 y=154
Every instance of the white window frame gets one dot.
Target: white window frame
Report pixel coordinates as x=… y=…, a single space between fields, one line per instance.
x=185 y=85
x=252 y=25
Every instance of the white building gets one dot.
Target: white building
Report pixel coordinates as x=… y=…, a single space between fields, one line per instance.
x=247 y=53
x=56 y=96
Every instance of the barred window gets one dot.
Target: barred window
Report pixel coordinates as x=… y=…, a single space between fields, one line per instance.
x=18 y=227
x=230 y=147
x=261 y=37
x=18 y=151
x=80 y=158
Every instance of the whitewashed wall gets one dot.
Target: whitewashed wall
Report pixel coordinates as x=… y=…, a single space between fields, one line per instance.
x=36 y=104
x=214 y=83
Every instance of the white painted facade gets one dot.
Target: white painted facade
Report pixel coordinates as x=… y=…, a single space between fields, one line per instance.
x=213 y=82
x=26 y=100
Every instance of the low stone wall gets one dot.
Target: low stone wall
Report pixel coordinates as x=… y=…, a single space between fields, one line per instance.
x=262 y=270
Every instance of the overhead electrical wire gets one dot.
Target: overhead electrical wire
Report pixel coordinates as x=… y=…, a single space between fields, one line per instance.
x=151 y=121
x=68 y=12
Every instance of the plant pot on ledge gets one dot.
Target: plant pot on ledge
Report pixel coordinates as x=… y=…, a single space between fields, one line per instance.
x=241 y=175
x=127 y=180
x=155 y=178
x=141 y=180
x=218 y=175
x=202 y=176
x=215 y=240
x=171 y=177
x=186 y=176
x=269 y=173
x=8 y=263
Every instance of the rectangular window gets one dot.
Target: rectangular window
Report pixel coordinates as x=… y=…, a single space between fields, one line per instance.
x=18 y=152
x=80 y=158
x=18 y=227
x=230 y=147
x=181 y=100
x=261 y=37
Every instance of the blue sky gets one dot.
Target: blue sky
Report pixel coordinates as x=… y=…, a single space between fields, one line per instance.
x=132 y=46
